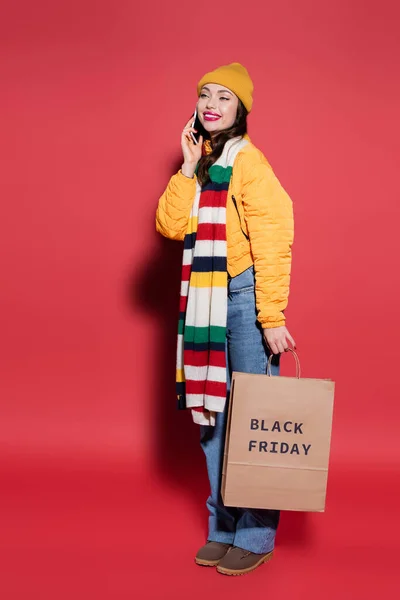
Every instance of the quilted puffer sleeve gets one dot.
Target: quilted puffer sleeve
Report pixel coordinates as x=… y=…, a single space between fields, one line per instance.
x=174 y=206
x=268 y=213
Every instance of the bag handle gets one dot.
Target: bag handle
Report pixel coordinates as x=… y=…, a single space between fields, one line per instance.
x=298 y=369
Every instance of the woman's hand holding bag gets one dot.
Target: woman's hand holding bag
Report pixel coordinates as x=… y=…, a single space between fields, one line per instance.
x=278 y=339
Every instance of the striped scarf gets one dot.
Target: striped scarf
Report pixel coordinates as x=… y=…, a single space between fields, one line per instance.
x=201 y=353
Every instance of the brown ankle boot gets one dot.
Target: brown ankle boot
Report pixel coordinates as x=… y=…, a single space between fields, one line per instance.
x=239 y=561
x=210 y=554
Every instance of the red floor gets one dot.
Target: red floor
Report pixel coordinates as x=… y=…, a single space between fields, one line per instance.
x=104 y=531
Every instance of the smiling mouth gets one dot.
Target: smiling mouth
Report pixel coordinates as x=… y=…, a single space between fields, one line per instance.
x=210 y=116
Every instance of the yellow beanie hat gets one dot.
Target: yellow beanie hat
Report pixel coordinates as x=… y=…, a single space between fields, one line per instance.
x=234 y=77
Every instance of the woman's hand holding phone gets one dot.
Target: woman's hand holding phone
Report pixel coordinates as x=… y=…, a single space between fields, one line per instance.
x=191 y=151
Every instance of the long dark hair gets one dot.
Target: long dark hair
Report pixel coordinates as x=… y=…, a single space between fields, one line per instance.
x=239 y=128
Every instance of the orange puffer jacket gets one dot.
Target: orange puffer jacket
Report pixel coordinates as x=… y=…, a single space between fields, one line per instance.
x=259 y=223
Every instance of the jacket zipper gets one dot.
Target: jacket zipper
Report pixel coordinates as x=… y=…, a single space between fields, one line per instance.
x=240 y=220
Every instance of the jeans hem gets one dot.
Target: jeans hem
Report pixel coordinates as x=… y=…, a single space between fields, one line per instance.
x=222 y=539
x=253 y=549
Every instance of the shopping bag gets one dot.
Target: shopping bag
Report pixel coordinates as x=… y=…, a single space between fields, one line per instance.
x=277 y=441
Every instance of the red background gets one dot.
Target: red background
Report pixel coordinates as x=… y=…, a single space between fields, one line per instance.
x=103 y=483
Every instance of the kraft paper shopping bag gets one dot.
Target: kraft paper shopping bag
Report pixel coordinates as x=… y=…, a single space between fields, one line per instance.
x=278 y=442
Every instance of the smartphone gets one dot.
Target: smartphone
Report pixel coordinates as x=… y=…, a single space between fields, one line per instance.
x=192 y=135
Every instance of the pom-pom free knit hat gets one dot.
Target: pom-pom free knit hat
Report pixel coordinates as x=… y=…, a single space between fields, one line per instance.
x=234 y=77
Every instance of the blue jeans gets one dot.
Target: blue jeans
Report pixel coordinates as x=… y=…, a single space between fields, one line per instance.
x=250 y=529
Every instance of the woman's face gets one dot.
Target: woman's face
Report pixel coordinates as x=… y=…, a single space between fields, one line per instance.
x=216 y=107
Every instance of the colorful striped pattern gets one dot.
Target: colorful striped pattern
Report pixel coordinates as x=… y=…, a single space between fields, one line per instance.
x=201 y=355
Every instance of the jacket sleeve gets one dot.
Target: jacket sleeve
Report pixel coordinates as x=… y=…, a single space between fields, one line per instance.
x=174 y=207
x=268 y=212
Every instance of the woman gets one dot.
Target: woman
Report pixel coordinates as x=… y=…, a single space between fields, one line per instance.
x=237 y=225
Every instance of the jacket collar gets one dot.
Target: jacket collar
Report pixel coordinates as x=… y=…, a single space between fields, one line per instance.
x=207 y=148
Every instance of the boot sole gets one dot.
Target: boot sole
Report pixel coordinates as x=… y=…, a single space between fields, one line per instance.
x=234 y=572
x=206 y=563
